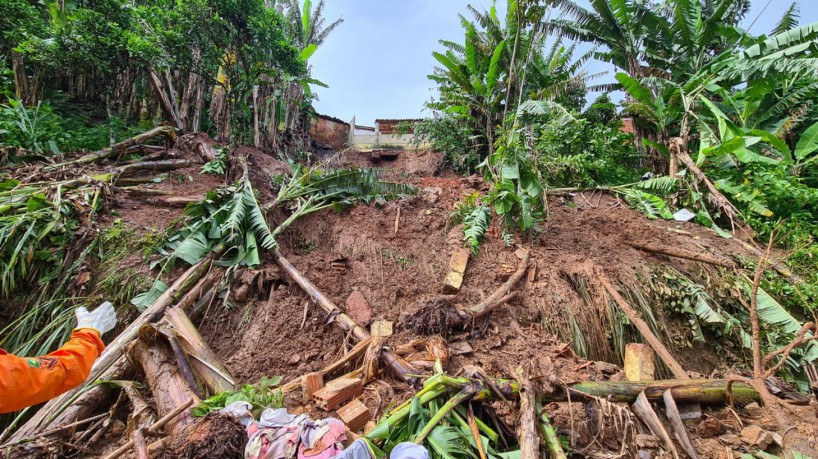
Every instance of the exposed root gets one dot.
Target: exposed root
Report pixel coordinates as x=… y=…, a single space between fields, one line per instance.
x=433 y=316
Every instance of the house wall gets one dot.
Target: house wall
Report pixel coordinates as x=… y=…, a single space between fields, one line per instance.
x=329 y=131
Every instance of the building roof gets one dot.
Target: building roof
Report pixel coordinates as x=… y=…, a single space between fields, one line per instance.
x=331 y=118
x=395 y=120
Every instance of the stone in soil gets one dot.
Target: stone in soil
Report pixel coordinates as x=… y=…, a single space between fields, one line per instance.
x=756 y=436
x=359 y=309
x=710 y=427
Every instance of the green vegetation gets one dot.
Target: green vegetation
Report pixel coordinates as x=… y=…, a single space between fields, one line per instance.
x=261 y=396
x=724 y=121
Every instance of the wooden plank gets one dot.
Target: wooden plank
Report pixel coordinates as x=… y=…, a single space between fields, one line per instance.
x=355 y=415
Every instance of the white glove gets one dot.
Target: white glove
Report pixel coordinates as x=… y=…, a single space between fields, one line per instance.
x=102 y=319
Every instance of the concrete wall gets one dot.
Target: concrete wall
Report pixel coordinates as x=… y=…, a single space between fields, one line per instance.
x=334 y=133
x=374 y=140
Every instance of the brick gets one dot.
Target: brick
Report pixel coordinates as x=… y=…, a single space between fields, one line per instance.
x=310 y=384
x=338 y=391
x=457 y=269
x=355 y=415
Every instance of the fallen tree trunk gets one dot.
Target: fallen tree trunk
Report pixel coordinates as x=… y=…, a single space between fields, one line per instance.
x=84 y=399
x=683 y=254
x=399 y=367
x=643 y=328
x=117 y=148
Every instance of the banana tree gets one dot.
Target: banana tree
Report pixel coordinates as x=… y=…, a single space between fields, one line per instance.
x=475 y=79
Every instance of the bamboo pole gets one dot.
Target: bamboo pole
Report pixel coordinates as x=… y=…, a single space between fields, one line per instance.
x=552 y=441
x=400 y=368
x=705 y=391
x=644 y=329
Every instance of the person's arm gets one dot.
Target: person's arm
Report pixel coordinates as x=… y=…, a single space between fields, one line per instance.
x=27 y=381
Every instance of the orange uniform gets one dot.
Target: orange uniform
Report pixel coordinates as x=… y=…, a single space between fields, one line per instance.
x=27 y=381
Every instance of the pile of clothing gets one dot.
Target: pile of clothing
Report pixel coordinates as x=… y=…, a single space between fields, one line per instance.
x=278 y=434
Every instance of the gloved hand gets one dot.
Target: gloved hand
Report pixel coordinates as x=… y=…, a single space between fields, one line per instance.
x=101 y=319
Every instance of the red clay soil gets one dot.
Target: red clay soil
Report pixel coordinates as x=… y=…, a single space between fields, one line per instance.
x=281 y=332
x=396 y=256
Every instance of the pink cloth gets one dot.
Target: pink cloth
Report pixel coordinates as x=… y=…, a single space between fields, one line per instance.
x=322 y=440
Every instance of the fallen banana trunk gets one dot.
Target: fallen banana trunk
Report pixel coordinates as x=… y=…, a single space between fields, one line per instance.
x=81 y=402
x=168 y=386
x=400 y=368
x=166 y=131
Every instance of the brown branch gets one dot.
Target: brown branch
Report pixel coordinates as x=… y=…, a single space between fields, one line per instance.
x=654 y=342
x=800 y=339
x=683 y=254
x=758 y=364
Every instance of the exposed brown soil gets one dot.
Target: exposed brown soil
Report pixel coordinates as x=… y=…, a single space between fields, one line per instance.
x=396 y=256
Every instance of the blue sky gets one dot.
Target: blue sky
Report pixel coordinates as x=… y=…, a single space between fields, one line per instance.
x=376 y=62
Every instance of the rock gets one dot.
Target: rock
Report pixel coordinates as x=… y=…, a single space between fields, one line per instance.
x=460 y=347
x=431 y=194
x=646 y=441
x=606 y=368
x=358 y=308
x=753 y=410
x=294 y=359
x=642 y=454
x=710 y=427
x=730 y=440
x=755 y=435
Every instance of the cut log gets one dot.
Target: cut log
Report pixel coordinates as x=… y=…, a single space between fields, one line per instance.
x=355 y=415
x=310 y=384
x=81 y=402
x=337 y=392
x=117 y=148
x=684 y=254
x=644 y=411
x=639 y=362
x=399 y=367
x=457 y=270
x=643 y=328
